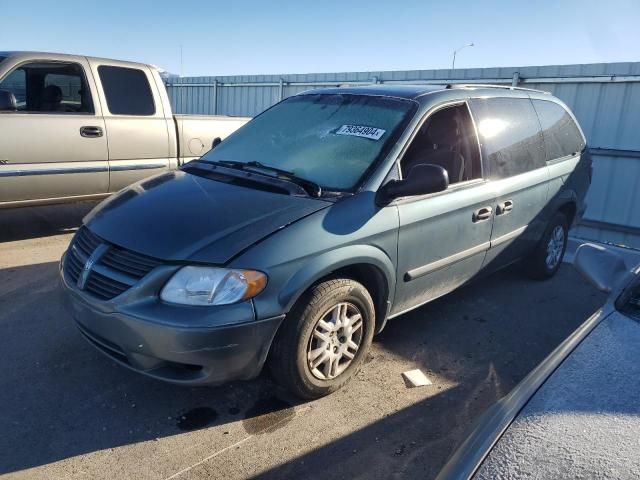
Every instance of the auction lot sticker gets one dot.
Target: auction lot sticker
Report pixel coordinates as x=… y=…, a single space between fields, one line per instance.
x=372 y=133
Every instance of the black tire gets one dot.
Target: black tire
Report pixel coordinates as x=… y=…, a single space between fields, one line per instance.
x=289 y=357
x=537 y=266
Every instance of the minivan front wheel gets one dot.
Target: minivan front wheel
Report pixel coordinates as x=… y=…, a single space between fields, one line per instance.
x=547 y=257
x=324 y=339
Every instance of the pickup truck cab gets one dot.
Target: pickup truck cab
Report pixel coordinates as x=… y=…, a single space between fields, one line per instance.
x=79 y=128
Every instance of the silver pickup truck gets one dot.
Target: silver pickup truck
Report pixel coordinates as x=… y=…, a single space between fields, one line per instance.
x=78 y=128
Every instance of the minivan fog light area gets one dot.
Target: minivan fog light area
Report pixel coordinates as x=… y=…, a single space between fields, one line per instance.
x=212 y=286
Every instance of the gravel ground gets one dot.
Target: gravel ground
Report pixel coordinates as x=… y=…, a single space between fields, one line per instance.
x=69 y=412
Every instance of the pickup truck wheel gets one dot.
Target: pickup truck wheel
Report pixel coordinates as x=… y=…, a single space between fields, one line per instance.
x=324 y=339
x=547 y=257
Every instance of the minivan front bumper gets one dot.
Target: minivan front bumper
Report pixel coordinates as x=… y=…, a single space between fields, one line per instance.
x=147 y=339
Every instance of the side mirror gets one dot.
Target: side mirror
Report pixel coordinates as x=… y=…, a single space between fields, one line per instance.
x=422 y=179
x=603 y=268
x=7 y=101
x=216 y=141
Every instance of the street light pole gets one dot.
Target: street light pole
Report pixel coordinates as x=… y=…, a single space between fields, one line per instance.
x=453 y=63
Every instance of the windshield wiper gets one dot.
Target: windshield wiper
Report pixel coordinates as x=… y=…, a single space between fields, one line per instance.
x=228 y=163
x=316 y=189
x=310 y=186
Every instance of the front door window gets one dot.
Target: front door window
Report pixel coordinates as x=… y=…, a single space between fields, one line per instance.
x=49 y=87
x=447 y=138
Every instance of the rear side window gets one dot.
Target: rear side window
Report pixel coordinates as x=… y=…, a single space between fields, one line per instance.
x=561 y=135
x=127 y=91
x=510 y=135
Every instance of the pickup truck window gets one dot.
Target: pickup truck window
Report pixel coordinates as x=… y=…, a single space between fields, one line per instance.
x=332 y=140
x=42 y=87
x=127 y=91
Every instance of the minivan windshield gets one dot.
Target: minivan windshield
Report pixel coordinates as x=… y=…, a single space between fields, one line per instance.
x=329 y=139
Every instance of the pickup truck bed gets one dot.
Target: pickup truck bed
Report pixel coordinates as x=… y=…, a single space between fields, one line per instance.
x=196 y=133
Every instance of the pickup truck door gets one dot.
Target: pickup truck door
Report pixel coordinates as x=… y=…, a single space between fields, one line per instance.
x=54 y=145
x=137 y=119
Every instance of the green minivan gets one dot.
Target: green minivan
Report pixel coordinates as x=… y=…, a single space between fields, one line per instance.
x=294 y=240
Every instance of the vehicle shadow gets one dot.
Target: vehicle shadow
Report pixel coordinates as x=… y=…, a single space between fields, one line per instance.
x=61 y=398
x=484 y=339
x=44 y=221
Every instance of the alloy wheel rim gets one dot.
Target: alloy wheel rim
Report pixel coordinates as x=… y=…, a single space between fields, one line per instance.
x=555 y=247
x=335 y=341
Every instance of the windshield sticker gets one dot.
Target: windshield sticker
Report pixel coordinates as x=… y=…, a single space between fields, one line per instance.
x=371 y=133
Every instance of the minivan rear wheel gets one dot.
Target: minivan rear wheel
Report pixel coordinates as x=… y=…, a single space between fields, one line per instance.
x=547 y=257
x=324 y=339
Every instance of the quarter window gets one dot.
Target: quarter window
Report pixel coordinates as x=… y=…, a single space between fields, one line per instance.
x=510 y=135
x=55 y=87
x=562 y=136
x=127 y=91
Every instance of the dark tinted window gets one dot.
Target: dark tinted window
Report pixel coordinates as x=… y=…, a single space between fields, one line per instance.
x=561 y=135
x=2 y=59
x=49 y=88
x=127 y=91
x=509 y=135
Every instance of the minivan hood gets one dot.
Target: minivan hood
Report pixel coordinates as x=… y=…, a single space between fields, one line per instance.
x=180 y=216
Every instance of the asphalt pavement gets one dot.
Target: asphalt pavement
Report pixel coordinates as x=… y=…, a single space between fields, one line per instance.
x=70 y=412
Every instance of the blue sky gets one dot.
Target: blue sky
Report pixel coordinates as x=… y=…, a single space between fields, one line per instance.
x=251 y=37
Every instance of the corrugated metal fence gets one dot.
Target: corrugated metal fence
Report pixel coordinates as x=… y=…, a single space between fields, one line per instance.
x=605 y=98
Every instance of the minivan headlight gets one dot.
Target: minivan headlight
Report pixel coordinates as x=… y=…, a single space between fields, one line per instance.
x=212 y=286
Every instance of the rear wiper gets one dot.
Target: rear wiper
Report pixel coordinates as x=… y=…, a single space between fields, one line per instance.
x=308 y=185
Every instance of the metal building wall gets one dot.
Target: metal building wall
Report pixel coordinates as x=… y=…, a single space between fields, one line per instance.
x=605 y=98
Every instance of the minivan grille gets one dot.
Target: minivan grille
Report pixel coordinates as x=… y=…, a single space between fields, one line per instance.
x=102 y=269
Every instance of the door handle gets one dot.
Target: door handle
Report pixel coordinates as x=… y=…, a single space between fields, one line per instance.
x=482 y=214
x=504 y=207
x=91 y=132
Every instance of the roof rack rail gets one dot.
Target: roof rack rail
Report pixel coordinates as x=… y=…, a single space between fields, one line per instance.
x=488 y=85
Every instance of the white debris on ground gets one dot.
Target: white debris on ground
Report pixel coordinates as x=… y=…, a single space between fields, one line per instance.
x=415 y=378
